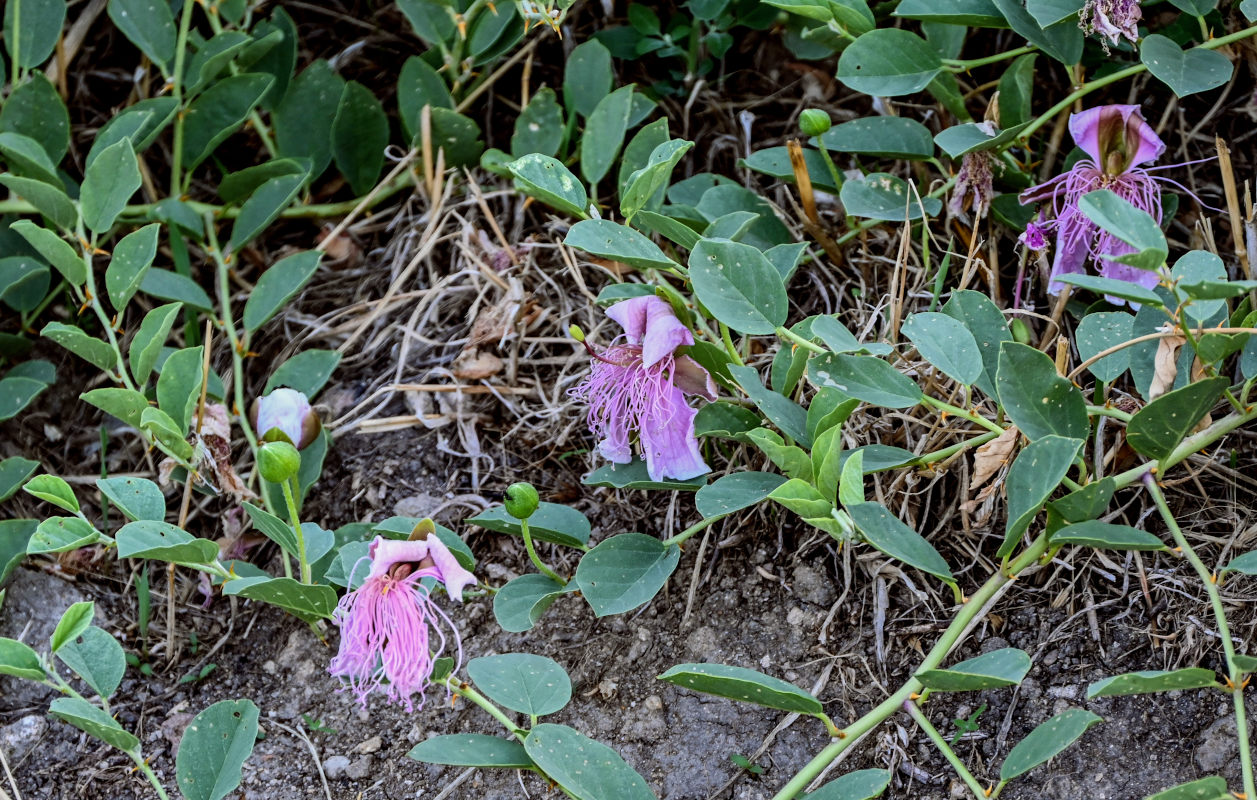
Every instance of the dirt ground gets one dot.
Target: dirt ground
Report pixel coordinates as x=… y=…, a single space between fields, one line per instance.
x=759 y=607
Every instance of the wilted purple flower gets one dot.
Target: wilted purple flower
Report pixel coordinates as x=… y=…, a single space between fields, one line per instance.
x=1112 y=19
x=289 y=412
x=638 y=383
x=1117 y=140
x=390 y=629
x=974 y=179
x=1034 y=237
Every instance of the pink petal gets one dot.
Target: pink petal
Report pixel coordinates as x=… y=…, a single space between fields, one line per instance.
x=386 y=553
x=1118 y=133
x=1071 y=254
x=691 y=378
x=449 y=571
x=1124 y=272
x=668 y=441
x=650 y=322
x=631 y=315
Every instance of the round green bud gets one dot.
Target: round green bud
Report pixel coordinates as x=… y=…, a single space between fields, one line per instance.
x=814 y=122
x=521 y=500
x=278 y=461
x=576 y=333
x=1020 y=330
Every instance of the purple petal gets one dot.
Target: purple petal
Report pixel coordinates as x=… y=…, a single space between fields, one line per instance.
x=1071 y=254
x=1118 y=271
x=668 y=441
x=290 y=412
x=692 y=378
x=449 y=571
x=1117 y=137
x=387 y=553
x=650 y=322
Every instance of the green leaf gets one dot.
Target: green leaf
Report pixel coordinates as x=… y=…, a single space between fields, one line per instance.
x=161 y=427
x=1046 y=741
x=161 y=541
x=303 y=120
x=472 y=750
x=150 y=26
x=132 y=257
x=216 y=114
x=179 y=385
x=431 y=21
x=735 y=492
x=747 y=685
x=1197 y=8
x=1038 y=400
x=24 y=282
x=107 y=186
x=36 y=110
x=277 y=286
x=1086 y=503
x=54 y=249
x=1036 y=472
x=634 y=475
x=604 y=134
x=1244 y=664
x=723 y=420
x=167 y=285
x=1246 y=564
x=20 y=661
x=946 y=343
x=1129 y=224
x=31 y=29
x=307 y=372
x=863 y=784
x=52 y=489
x=1062 y=41
x=739 y=286
x=974 y=13
x=1106 y=536
x=1184 y=71
x=587 y=77
x=550 y=182
x=1212 y=788
x=303 y=601
x=883 y=196
x=885 y=532
x=47 y=199
x=765 y=232
x=539 y=127
x=551 y=522
x=1157 y=428
x=141 y=122
x=61 y=534
x=520 y=603
x=211 y=58
x=616 y=242
x=16 y=393
x=15 y=535
x=1004 y=667
x=648 y=182
x=1153 y=681
x=888 y=62
x=791 y=460
x=97 y=658
x=786 y=414
x=359 y=137
x=76 y=619
x=961 y=140
x=1098 y=332
x=987 y=324
x=146 y=346
x=264 y=207
x=588 y=769
x=1016 y=87
x=1196 y=267
x=236 y=187
x=526 y=683
x=1050 y=12
x=14 y=471
x=851 y=479
x=213 y=749
x=274 y=528
x=138 y=498
x=624 y=572
x=865 y=378
x=27 y=158
x=637 y=154
x=1110 y=287
x=94 y=722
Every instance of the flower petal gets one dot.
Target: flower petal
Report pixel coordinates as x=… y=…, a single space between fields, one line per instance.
x=664 y=333
x=449 y=571
x=1071 y=254
x=1117 y=137
x=631 y=315
x=386 y=553
x=691 y=378
x=668 y=441
x=1124 y=272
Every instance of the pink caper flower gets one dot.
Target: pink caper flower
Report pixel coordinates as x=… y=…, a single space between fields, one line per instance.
x=390 y=630
x=1113 y=19
x=1117 y=141
x=639 y=384
x=287 y=411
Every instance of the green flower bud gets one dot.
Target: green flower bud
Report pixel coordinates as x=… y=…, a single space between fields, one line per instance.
x=576 y=333
x=278 y=461
x=521 y=500
x=814 y=122
x=1020 y=330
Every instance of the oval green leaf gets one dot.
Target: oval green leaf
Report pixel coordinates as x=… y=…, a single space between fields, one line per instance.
x=522 y=682
x=625 y=571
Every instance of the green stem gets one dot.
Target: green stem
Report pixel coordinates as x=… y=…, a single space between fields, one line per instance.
x=93 y=300
x=948 y=452
x=1108 y=411
x=684 y=535
x=143 y=766
x=974 y=608
x=727 y=338
x=1210 y=581
x=463 y=690
x=943 y=747
x=807 y=344
x=960 y=65
x=176 y=80
x=1190 y=445
x=976 y=419
x=536 y=559
x=295 y=519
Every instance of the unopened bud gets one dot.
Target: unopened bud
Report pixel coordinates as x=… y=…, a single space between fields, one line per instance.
x=521 y=500
x=1020 y=330
x=278 y=461
x=576 y=333
x=814 y=122
x=285 y=415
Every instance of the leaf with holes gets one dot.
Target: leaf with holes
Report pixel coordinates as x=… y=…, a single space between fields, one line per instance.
x=1036 y=472
x=625 y=571
x=1106 y=536
x=522 y=682
x=1046 y=741
x=213 y=749
x=472 y=750
x=747 y=685
x=588 y=769
x=138 y=498
x=546 y=179
x=1153 y=681
x=163 y=542
x=61 y=534
x=1004 y=667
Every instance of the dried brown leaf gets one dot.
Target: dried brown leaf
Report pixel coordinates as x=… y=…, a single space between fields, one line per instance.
x=989 y=458
x=1165 y=366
